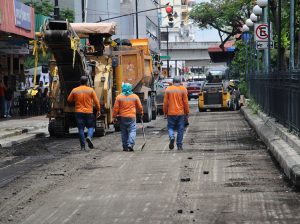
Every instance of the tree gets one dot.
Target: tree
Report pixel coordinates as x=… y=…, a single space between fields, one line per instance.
x=67 y=14
x=226 y=16
x=46 y=8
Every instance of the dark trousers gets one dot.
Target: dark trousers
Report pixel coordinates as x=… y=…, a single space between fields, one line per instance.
x=88 y=121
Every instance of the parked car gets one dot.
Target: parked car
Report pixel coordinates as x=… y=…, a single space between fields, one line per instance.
x=193 y=89
x=167 y=82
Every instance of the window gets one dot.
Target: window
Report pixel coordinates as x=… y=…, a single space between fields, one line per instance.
x=164 y=36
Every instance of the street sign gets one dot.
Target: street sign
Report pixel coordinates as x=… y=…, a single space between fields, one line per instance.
x=262 y=32
x=165 y=57
x=261 y=45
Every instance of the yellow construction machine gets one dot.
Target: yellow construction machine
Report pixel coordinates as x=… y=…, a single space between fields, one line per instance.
x=106 y=64
x=218 y=92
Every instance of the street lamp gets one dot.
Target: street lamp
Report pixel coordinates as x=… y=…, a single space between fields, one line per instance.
x=266 y=14
x=257 y=10
x=249 y=23
x=262 y=3
x=245 y=28
x=253 y=17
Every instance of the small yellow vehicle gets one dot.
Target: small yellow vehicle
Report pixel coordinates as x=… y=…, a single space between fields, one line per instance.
x=218 y=93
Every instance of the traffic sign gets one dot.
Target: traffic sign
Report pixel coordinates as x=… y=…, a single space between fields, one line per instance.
x=260 y=45
x=165 y=57
x=262 y=32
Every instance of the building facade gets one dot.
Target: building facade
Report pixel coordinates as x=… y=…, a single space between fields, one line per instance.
x=183 y=45
x=128 y=27
x=16 y=30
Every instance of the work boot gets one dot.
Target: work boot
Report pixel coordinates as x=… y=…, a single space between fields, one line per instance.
x=130 y=148
x=125 y=149
x=171 y=144
x=89 y=141
x=179 y=148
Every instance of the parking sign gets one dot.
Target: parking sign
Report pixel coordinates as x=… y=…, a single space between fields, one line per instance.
x=262 y=32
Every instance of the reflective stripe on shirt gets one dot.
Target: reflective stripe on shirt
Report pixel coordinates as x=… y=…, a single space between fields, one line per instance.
x=127 y=99
x=83 y=91
x=175 y=91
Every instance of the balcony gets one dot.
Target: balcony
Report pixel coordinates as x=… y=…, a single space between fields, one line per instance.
x=187 y=45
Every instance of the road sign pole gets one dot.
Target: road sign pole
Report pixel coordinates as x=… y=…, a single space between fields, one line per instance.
x=266 y=59
x=269 y=38
x=168 y=63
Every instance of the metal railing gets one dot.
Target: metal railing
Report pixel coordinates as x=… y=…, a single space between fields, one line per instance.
x=278 y=95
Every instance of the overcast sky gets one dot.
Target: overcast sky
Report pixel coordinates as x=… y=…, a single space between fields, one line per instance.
x=206 y=35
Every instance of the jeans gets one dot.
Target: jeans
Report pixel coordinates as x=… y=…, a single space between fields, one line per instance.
x=128 y=131
x=7 y=106
x=176 y=122
x=85 y=120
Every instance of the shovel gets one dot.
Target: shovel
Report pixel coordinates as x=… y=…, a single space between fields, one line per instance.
x=143 y=129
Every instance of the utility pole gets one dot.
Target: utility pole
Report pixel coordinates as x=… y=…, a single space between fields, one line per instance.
x=136 y=19
x=56 y=10
x=269 y=38
x=82 y=11
x=279 y=57
x=168 y=65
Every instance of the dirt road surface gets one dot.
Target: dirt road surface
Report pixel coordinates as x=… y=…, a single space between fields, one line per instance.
x=223 y=175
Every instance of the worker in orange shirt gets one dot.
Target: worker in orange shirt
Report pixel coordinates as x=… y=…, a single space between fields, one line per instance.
x=84 y=97
x=125 y=108
x=176 y=108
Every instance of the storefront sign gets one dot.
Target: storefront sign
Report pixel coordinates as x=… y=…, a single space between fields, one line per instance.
x=22 y=15
x=9 y=48
x=0 y=16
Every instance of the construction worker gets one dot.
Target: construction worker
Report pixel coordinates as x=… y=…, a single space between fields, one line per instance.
x=176 y=108
x=125 y=108
x=84 y=96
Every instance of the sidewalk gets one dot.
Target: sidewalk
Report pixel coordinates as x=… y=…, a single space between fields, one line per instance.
x=284 y=146
x=17 y=130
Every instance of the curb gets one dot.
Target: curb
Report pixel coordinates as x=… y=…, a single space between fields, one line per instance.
x=21 y=138
x=283 y=146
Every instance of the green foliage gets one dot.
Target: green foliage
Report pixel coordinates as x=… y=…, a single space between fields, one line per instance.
x=29 y=60
x=67 y=14
x=238 y=65
x=227 y=16
x=253 y=106
x=44 y=7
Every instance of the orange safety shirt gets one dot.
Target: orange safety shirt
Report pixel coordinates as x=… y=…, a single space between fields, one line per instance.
x=84 y=97
x=125 y=106
x=176 y=101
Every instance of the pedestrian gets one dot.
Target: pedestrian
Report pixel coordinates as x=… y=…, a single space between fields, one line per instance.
x=8 y=100
x=45 y=101
x=2 y=98
x=176 y=109
x=125 y=109
x=84 y=96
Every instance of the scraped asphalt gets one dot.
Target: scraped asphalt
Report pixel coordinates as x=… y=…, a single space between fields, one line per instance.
x=225 y=174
